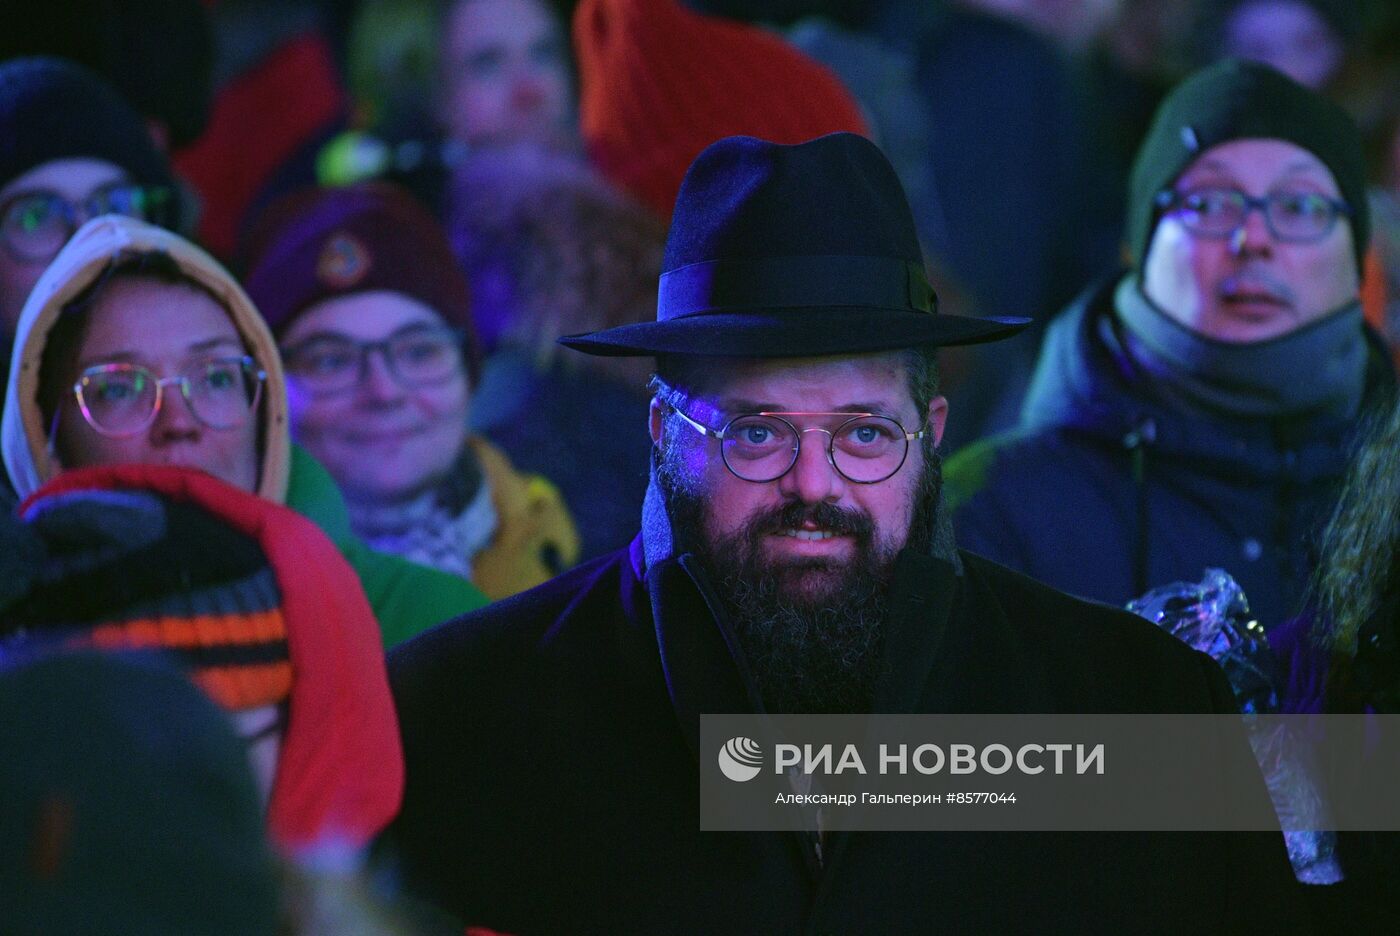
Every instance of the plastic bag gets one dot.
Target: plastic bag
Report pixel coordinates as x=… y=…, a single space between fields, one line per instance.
x=1213 y=616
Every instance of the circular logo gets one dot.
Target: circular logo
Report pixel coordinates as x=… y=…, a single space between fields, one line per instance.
x=344 y=261
x=740 y=759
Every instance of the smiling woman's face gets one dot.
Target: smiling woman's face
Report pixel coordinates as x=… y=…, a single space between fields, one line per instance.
x=382 y=441
x=1250 y=286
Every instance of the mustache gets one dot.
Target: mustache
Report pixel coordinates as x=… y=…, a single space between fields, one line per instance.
x=794 y=515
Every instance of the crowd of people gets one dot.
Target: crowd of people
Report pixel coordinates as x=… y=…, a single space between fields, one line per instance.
x=418 y=414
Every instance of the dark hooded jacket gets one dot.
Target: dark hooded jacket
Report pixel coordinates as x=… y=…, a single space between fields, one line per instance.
x=553 y=766
x=1107 y=489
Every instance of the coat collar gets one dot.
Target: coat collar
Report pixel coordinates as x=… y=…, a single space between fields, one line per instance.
x=706 y=672
x=703 y=665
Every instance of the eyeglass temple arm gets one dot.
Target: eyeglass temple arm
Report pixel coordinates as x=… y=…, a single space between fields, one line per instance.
x=699 y=427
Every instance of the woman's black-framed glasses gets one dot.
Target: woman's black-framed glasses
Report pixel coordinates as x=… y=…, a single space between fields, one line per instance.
x=417 y=356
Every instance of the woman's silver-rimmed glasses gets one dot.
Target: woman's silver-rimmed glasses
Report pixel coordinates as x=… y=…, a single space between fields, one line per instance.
x=123 y=399
x=865 y=448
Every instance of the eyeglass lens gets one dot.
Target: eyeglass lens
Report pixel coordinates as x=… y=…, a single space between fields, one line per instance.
x=120 y=399
x=865 y=449
x=36 y=225
x=1297 y=216
x=416 y=358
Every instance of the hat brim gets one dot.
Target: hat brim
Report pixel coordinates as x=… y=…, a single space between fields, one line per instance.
x=794 y=333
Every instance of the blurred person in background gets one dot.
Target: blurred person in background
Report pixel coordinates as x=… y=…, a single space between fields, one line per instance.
x=128 y=803
x=1196 y=410
x=504 y=75
x=248 y=596
x=554 y=250
x=1307 y=40
x=70 y=149
x=1014 y=202
x=434 y=81
x=373 y=316
x=136 y=347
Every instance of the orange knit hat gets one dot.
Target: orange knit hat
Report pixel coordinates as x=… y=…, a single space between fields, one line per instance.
x=660 y=83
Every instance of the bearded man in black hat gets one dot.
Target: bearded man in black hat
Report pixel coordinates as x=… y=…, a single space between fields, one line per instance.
x=793 y=559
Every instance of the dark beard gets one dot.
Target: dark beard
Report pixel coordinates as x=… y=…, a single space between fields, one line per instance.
x=812 y=632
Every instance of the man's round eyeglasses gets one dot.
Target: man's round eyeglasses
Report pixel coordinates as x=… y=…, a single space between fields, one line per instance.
x=865 y=448
x=123 y=399
x=1295 y=217
x=34 y=225
x=417 y=356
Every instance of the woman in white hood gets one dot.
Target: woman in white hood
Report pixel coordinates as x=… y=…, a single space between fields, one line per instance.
x=137 y=346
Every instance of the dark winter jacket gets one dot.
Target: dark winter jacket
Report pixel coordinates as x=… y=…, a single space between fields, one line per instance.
x=1104 y=490
x=553 y=780
x=583 y=431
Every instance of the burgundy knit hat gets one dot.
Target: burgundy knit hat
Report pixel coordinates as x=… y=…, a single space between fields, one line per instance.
x=323 y=243
x=659 y=84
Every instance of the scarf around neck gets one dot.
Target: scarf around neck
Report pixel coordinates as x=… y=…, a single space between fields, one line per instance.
x=443 y=528
x=1318 y=369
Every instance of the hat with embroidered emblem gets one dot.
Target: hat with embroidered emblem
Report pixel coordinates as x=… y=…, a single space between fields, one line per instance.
x=323 y=243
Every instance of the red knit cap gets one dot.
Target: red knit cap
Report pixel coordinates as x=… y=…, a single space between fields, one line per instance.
x=660 y=83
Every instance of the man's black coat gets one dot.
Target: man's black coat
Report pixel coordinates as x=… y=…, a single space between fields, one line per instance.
x=553 y=780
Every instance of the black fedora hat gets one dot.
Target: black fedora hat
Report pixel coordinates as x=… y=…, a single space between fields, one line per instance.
x=792 y=251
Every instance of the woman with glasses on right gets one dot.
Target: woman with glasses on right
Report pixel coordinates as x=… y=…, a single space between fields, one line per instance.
x=373 y=318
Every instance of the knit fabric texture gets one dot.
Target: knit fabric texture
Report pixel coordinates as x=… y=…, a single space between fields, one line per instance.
x=326 y=243
x=659 y=83
x=340 y=767
x=134 y=570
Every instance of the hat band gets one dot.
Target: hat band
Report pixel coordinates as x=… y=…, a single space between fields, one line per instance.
x=792 y=282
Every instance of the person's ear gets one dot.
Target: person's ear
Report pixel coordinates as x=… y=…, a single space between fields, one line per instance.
x=937 y=417
x=656 y=420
